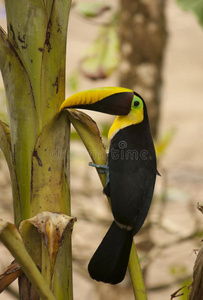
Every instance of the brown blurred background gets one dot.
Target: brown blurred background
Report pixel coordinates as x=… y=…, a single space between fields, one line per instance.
x=173 y=229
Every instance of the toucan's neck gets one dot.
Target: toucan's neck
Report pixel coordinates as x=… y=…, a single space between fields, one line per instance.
x=134 y=137
x=122 y=122
x=137 y=133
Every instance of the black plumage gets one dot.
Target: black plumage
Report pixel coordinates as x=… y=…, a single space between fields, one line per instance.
x=132 y=174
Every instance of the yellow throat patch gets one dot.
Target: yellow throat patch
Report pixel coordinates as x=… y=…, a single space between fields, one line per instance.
x=135 y=116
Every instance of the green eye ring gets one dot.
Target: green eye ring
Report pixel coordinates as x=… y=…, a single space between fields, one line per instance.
x=136 y=103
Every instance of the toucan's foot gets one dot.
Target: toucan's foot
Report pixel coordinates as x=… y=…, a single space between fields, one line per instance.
x=101 y=169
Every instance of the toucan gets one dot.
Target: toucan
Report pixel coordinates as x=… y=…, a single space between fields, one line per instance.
x=131 y=176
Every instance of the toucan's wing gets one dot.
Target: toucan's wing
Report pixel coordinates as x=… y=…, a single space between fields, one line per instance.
x=132 y=179
x=131 y=196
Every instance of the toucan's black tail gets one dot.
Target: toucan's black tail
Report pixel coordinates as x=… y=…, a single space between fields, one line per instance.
x=109 y=262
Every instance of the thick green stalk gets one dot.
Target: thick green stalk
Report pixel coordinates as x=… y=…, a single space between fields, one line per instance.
x=136 y=275
x=36 y=146
x=33 y=68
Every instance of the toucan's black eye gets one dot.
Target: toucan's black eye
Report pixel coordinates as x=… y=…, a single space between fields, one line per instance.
x=136 y=103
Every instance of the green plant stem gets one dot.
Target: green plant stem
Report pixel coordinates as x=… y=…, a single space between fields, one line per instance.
x=136 y=275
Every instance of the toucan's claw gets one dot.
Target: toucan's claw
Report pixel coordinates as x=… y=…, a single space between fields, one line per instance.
x=101 y=169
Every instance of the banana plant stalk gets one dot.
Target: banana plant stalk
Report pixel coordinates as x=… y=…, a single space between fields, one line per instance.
x=35 y=144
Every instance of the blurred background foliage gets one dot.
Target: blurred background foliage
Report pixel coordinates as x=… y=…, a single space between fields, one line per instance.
x=130 y=41
x=196 y=7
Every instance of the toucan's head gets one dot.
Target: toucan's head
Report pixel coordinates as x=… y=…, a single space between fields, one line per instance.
x=127 y=105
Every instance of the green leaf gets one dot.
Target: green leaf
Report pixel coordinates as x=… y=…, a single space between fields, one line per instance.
x=72 y=81
x=102 y=58
x=187 y=289
x=90 y=135
x=50 y=169
x=195 y=6
x=22 y=117
x=162 y=144
x=54 y=60
x=36 y=29
x=27 y=25
x=5 y=146
x=91 y=9
x=5 y=143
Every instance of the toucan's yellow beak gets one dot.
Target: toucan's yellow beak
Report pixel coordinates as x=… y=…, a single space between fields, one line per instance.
x=110 y=100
